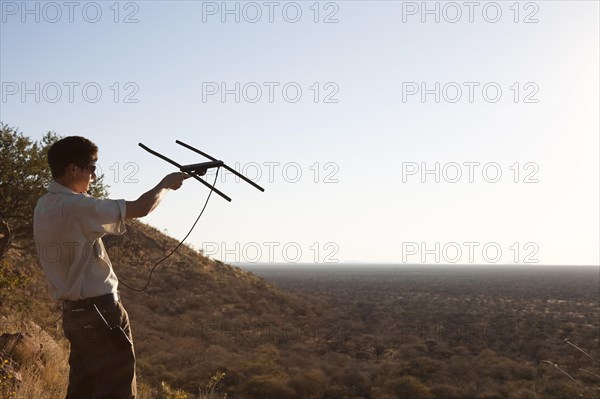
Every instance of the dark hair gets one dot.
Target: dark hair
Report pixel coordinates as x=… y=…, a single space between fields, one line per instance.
x=72 y=149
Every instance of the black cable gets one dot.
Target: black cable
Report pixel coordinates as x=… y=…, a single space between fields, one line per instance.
x=178 y=245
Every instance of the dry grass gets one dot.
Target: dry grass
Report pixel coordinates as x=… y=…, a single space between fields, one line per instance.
x=588 y=391
x=165 y=391
x=42 y=364
x=40 y=360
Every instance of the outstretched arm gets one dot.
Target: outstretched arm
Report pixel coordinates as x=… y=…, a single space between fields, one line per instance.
x=150 y=199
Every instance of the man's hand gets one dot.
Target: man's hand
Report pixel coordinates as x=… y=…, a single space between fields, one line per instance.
x=174 y=180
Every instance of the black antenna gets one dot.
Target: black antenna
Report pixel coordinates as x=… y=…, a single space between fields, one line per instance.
x=194 y=169
x=235 y=172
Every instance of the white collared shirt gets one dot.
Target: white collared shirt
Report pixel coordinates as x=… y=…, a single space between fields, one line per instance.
x=67 y=229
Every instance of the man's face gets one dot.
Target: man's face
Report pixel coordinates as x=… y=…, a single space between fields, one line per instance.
x=83 y=176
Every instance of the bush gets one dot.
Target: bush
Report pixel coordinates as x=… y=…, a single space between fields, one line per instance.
x=24 y=177
x=269 y=387
x=445 y=391
x=409 y=387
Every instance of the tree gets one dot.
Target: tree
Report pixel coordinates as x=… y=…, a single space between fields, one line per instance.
x=24 y=177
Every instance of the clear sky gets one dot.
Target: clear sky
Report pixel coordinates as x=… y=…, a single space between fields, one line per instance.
x=338 y=109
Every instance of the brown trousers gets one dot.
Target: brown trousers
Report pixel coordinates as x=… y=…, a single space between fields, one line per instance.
x=100 y=366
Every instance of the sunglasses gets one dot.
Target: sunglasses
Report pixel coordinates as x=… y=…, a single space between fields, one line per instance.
x=91 y=168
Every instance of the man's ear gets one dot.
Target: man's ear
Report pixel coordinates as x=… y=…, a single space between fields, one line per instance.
x=71 y=169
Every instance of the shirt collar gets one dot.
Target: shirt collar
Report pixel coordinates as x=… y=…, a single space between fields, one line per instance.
x=57 y=188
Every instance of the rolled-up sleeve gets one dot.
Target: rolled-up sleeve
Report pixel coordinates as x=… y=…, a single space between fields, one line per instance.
x=101 y=216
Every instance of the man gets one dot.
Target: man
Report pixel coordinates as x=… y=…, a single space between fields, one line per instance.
x=68 y=229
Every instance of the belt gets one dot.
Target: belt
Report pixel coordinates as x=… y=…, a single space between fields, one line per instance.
x=108 y=299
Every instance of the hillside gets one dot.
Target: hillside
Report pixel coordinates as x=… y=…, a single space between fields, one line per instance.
x=320 y=333
x=197 y=317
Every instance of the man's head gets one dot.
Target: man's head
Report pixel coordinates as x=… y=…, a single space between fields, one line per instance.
x=72 y=162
